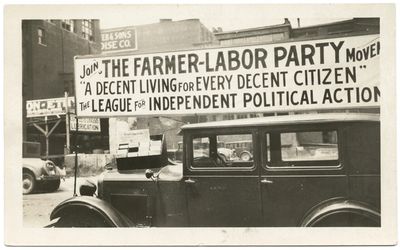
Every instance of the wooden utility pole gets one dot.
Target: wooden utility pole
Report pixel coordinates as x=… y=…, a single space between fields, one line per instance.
x=67 y=121
x=46 y=132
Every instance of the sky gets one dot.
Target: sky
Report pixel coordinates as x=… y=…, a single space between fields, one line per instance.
x=228 y=17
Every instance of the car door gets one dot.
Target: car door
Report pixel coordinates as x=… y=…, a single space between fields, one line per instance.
x=302 y=166
x=221 y=195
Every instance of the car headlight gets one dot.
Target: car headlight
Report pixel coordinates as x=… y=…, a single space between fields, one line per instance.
x=50 y=166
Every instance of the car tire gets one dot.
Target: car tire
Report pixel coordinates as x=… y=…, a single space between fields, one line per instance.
x=80 y=218
x=28 y=183
x=346 y=220
x=245 y=156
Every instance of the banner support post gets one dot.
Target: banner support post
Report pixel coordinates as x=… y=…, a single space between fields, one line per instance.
x=76 y=148
x=67 y=121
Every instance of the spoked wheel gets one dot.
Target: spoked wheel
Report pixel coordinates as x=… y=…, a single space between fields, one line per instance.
x=28 y=183
x=245 y=156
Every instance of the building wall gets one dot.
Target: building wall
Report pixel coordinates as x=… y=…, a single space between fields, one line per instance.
x=49 y=67
x=168 y=35
x=350 y=27
x=48 y=70
x=266 y=34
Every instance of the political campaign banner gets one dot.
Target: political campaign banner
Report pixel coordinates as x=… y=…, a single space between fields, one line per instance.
x=331 y=73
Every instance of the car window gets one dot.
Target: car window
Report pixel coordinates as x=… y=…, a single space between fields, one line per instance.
x=225 y=151
x=201 y=147
x=302 y=149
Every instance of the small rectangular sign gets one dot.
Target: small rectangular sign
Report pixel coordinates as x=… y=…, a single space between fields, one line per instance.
x=85 y=124
x=138 y=136
x=47 y=107
x=120 y=39
x=334 y=73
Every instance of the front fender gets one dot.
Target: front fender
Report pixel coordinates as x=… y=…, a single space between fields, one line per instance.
x=102 y=208
x=35 y=170
x=336 y=205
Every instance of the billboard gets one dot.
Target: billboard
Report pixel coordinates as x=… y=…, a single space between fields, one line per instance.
x=305 y=75
x=120 y=39
x=47 y=107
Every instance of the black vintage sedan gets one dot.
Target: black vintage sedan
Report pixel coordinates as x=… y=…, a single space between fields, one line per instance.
x=318 y=170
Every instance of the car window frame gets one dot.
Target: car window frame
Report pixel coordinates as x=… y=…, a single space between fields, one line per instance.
x=302 y=128
x=223 y=131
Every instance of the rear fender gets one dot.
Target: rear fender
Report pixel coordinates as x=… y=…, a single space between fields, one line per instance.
x=112 y=216
x=338 y=205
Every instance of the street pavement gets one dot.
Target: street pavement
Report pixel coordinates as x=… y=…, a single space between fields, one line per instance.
x=37 y=207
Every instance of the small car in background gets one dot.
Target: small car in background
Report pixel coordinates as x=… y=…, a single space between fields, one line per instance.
x=38 y=174
x=201 y=150
x=242 y=149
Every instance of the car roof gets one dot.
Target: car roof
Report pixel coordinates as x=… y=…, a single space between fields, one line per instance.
x=287 y=120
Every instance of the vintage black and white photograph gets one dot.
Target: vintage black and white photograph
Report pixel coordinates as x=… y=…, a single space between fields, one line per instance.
x=201 y=116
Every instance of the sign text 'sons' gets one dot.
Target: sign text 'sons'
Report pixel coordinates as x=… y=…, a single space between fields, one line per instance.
x=317 y=74
x=118 y=39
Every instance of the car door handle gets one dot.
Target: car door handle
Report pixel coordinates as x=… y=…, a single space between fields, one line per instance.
x=190 y=181
x=265 y=181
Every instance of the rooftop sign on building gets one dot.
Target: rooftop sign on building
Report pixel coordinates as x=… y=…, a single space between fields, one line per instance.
x=120 y=39
x=47 y=107
x=329 y=73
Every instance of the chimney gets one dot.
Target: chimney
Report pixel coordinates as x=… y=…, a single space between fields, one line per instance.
x=298 y=22
x=286 y=21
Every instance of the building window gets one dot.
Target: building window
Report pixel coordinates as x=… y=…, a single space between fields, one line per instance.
x=241 y=116
x=41 y=36
x=67 y=24
x=87 y=29
x=229 y=117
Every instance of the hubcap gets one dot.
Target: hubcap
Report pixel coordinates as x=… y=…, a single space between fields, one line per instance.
x=27 y=183
x=245 y=157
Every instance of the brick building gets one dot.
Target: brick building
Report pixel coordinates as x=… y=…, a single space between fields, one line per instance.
x=169 y=35
x=48 y=49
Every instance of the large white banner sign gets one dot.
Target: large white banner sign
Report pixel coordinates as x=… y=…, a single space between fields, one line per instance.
x=315 y=74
